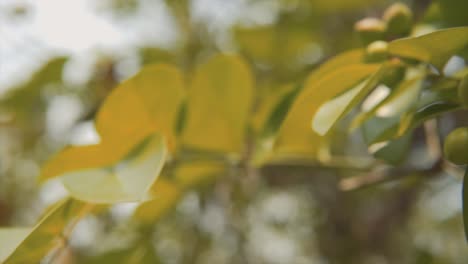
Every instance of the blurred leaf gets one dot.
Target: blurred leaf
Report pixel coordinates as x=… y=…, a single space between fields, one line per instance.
x=143 y=254
x=11 y=238
x=146 y=103
x=25 y=94
x=283 y=44
x=394 y=151
x=296 y=134
x=273 y=107
x=220 y=100
x=196 y=173
x=381 y=123
x=330 y=112
x=166 y=194
x=347 y=58
x=50 y=232
x=333 y=6
x=258 y=43
x=156 y=92
x=380 y=129
x=436 y=47
x=126 y=181
x=425 y=113
x=454 y=12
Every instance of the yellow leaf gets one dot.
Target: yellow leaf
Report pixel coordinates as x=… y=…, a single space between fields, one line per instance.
x=192 y=174
x=47 y=234
x=103 y=173
x=149 y=101
x=267 y=105
x=296 y=135
x=126 y=181
x=10 y=239
x=166 y=194
x=219 y=101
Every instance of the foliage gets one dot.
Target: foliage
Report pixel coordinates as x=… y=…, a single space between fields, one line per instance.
x=170 y=130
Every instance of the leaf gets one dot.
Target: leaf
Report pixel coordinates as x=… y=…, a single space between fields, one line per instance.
x=49 y=232
x=273 y=109
x=343 y=59
x=126 y=181
x=25 y=94
x=436 y=47
x=425 y=113
x=382 y=122
x=141 y=254
x=166 y=193
x=193 y=174
x=465 y=203
x=149 y=101
x=10 y=239
x=219 y=103
x=394 y=151
x=296 y=135
x=138 y=107
x=330 y=112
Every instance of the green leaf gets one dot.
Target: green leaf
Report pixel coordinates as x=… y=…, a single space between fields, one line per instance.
x=465 y=203
x=219 y=103
x=382 y=122
x=394 y=151
x=441 y=98
x=435 y=48
x=30 y=91
x=416 y=118
x=126 y=181
x=296 y=135
x=48 y=233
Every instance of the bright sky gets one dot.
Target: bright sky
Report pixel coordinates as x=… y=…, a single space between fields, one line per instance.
x=78 y=28
x=74 y=27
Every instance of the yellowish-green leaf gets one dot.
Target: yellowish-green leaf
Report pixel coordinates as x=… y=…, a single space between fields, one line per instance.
x=149 y=101
x=272 y=108
x=166 y=194
x=384 y=121
x=330 y=112
x=258 y=43
x=296 y=135
x=126 y=181
x=49 y=232
x=192 y=174
x=343 y=59
x=219 y=102
x=146 y=103
x=10 y=239
x=436 y=47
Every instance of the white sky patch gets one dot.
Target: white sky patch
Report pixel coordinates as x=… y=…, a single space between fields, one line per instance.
x=58 y=27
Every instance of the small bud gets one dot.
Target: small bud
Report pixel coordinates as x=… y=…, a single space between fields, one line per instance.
x=394 y=74
x=399 y=19
x=463 y=91
x=370 y=29
x=377 y=51
x=456 y=146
